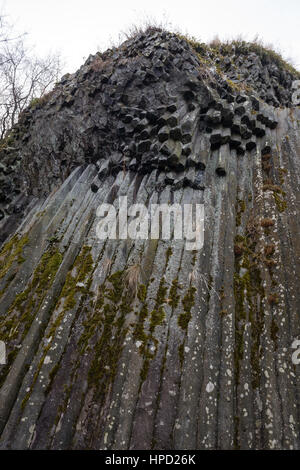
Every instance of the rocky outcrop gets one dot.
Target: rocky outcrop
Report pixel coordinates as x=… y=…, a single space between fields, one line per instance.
x=199 y=353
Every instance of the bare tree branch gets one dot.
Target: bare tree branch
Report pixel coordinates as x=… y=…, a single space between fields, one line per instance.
x=23 y=76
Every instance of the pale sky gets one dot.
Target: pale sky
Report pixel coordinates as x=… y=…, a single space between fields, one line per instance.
x=78 y=28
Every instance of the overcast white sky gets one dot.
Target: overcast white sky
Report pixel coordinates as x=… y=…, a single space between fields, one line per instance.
x=79 y=27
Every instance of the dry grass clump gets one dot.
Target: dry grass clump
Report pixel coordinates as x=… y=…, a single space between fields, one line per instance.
x=149 y=25
x=239 y=249
x=273 y=299
x=132 y=278
x=266 y=52
x=106 y=265
x=271 y=263
x=98 y=64
x=272 y=187
x=252 y=227
x=269 y=249
x=267 y=222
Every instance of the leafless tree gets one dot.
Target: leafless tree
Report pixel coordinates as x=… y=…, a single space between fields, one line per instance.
x=23 y=76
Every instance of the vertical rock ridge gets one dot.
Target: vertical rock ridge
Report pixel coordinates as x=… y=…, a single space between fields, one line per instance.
x=142 y=344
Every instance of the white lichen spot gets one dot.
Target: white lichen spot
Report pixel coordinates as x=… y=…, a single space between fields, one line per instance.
x=209 y=387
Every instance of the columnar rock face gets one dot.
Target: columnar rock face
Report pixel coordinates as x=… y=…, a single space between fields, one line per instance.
x=142 y=344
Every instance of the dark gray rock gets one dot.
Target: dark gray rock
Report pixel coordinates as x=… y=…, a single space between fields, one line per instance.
x=196 y=352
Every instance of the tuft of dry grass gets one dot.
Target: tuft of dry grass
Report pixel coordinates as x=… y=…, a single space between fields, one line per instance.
x=266 y=166
x=106 y=265
x=252 y=227
x=267 y=222
x=98 y=64
x=132 y=278
x=271 y=263
x=273 y=299
x=208 y=284
x=272 y=187
x=266 y=51
x=215 y=42
x=239 y=45
x=269 y=249
x=148 y=25
x=238 y=249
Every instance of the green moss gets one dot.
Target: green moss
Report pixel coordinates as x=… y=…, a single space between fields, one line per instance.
x=34 y=103
x=187 y=303
x=139 y=332
x=114 y=294
x=9 y=280
x=278 y=195
x=174 y=297
x=103 y=366
x=266 y=54
x=168 y=254
x=38 y=102
x=157 y=318
x=142 y=293
x=241 y=207
x=249 y=294
x=249 y=291
x=104 y=331
x=233 y=85
x=280 y=203
x=181 y=354
x=40 y=214
x=114 y=305
x=8 y=140
x=52 y=374
x=158 y=314
x=92 y=324
x=282 y=172
x=161 y=293
x=145 y=369
x=23 y=309
x=12 y=252
x=273 y=187
x=81 y=269
x=79 y=273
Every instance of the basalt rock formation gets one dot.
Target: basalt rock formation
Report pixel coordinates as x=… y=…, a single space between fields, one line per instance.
x=142 y=344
